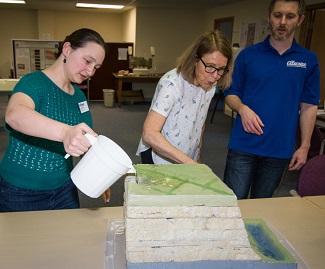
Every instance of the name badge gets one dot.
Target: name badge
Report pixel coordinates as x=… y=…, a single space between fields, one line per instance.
x=83 y=106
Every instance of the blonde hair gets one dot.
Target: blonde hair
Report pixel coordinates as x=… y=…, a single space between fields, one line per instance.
x=206 y=43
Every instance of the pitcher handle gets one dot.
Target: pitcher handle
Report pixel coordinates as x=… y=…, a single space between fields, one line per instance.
x=92 y=139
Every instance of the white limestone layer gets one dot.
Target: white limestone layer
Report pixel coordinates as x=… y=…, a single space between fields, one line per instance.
x=198 y=223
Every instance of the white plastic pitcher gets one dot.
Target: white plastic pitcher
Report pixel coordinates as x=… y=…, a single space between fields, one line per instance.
x=102 y=165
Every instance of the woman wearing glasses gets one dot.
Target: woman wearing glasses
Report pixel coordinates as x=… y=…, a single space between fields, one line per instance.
x=173 y=129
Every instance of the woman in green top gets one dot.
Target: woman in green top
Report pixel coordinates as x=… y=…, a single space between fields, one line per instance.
x=47 y=117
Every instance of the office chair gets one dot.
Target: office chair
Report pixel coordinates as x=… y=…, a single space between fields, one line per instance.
x=316 y=143
x=311 y=180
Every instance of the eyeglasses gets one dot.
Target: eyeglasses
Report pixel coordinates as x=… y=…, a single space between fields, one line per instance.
x=211 y=69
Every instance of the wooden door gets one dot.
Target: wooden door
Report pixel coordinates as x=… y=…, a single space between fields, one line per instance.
x=317 y=45
x=312 y=36
x=225 y=25
x=103 y=78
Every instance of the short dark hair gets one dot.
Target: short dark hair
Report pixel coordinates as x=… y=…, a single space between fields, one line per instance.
x=81 y=37
x=302 y=5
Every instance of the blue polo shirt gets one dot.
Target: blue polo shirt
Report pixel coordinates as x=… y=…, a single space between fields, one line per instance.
x=273 y=86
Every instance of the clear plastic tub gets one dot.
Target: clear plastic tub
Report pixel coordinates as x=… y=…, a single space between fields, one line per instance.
x=115 y=246
x=301 y=262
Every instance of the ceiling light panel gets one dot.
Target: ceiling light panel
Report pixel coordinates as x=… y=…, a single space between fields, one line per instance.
x=87 y=5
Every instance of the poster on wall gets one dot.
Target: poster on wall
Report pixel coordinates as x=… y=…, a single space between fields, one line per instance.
x=31 y=55
x=253 y=32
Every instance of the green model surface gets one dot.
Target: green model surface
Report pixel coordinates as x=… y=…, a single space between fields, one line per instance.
x=177 y=184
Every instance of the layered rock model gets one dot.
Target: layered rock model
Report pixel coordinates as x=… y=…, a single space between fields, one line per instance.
x=184 y=216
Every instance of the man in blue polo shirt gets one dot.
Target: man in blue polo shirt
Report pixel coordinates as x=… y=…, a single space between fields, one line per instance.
x=274 y=82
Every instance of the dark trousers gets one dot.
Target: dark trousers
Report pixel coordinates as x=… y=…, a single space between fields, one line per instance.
x=246 y=172
x=146 y=156
x=13 y=199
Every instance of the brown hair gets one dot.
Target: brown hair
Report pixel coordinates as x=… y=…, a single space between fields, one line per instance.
x=206 y=43
x=302 y=6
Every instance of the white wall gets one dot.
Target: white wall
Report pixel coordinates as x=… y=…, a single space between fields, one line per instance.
x=108 y=25
x=170 y=31
x=8 y=30
x=243 y=11
x=257 y=10
x=33 y=24
x=129 y=21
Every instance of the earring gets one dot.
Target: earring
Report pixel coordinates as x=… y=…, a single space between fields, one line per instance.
x=64 y=60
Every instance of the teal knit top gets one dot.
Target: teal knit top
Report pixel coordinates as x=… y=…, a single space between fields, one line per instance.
x=36 y=163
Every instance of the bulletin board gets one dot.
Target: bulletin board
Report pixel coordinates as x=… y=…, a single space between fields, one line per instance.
x=30 y=55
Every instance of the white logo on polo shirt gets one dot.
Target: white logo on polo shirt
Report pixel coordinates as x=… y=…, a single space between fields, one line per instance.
x=296 y=64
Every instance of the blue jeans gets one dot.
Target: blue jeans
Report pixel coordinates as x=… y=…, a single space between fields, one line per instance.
x=14 y=199
x=247 y=172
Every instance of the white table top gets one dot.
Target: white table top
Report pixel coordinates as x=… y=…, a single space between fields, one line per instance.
x=76 y=238
x=298 y=220
x=7 y=85
x=317 y=201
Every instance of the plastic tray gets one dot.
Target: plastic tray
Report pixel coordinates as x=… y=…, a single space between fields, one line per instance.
x=115 y=246
x=301 y=263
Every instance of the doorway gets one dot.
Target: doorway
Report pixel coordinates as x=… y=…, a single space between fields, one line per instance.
x=312 y=36
x=225 y=25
